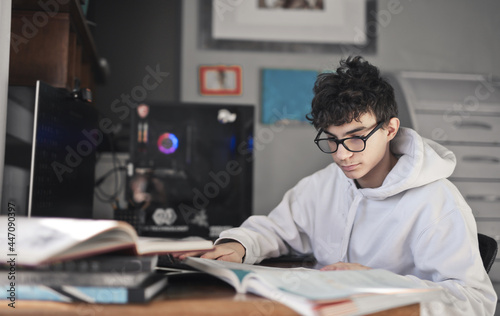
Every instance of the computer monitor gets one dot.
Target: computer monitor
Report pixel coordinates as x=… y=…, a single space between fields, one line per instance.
x=191 y=168
x=63 y=155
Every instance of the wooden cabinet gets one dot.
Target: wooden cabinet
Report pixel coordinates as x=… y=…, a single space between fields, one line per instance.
x=52 y=42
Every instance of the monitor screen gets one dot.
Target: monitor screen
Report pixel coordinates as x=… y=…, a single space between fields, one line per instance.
x=63 y=155
x=191 y=168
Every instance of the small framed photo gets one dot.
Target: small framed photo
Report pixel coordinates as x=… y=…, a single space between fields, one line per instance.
x=220 y=80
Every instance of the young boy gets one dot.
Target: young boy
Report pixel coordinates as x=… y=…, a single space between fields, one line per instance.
x=385 y=202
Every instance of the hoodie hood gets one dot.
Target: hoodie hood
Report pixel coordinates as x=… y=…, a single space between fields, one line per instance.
x=421 y=161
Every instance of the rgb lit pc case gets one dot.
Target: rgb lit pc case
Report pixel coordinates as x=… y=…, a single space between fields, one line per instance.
x=190 y=171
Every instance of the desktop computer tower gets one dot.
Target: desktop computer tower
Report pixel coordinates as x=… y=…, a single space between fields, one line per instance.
x=190 y=170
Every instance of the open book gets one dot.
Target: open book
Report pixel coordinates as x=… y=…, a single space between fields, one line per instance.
x=38 y=240
x=314 y=292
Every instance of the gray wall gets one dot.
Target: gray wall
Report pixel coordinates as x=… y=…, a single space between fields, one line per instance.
x=425 y=35
x=134 y=36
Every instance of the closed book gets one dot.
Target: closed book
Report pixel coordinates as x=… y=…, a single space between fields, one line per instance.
x=113 y=294
x=54 y=278
x=103 y=263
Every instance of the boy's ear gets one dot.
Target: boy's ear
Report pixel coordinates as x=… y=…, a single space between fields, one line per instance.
x=392 y=128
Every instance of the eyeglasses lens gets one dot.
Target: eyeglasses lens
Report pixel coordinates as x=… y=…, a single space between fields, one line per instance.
x=329 y=145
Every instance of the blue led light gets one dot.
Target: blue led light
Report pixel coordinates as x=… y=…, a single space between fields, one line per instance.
x=232 y=143
x=168 y=143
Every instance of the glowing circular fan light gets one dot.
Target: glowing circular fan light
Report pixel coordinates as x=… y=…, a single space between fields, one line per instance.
x=168 y=143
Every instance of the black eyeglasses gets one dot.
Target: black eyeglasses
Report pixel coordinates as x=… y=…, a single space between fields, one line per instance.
x=354 y=144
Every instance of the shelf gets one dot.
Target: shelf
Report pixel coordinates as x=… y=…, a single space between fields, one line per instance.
x=53 y=44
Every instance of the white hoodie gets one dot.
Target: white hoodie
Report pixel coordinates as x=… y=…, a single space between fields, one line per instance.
x=416 y=224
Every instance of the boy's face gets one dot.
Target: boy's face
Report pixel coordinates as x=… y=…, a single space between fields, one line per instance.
x=370 y=166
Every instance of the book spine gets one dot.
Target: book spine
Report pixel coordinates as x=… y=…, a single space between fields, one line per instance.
x=122 y=264
x=53 y=278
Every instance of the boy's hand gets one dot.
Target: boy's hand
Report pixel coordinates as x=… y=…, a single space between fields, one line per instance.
x=229 y=251
x=344 y=266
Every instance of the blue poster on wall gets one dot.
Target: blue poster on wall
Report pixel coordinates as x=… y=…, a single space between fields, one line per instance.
x=286 y=94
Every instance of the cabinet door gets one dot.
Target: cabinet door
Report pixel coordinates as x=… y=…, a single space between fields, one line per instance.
x=476 y=162
x=482 y=197
x=447 y=127
x=44 y=56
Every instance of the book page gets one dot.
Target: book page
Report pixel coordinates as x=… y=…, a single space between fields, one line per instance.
x=320 y=285
x=218 y=269
x=147 y=245
x=328 y=285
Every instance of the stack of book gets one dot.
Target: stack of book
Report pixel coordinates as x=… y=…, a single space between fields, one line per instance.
x=100 y=279
x=94 y=261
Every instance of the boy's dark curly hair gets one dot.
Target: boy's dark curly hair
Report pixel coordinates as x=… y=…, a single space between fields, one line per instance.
x=354 y=89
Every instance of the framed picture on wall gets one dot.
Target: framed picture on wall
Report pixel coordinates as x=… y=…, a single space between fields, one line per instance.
x=211 y=12
x=220 y=80
x=312 y=21
x=286 y=95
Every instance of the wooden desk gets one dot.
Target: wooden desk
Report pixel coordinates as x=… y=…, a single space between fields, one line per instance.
x=194 y=294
